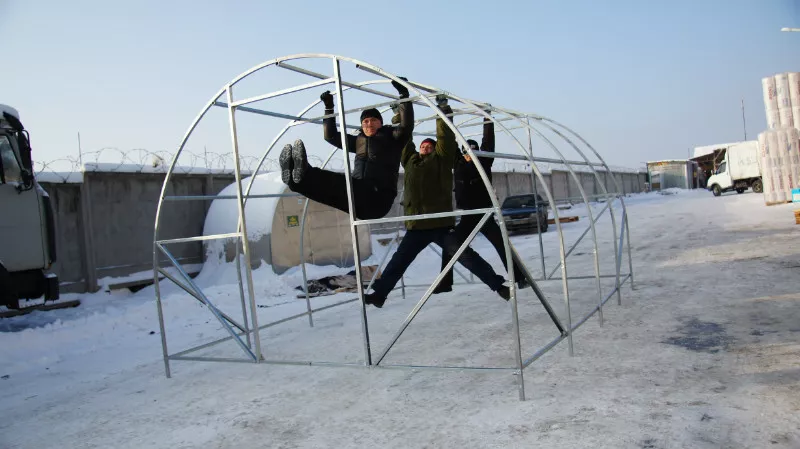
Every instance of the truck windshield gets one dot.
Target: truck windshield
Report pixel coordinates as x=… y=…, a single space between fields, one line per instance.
x=721 y=168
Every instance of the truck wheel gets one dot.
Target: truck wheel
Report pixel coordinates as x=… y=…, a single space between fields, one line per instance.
x=716 y=190
x=757 y=186
x=8 y=293
x=740 y=190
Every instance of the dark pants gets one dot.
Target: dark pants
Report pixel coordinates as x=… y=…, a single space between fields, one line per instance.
x=417 y=240
x=330 y=188
x=492 y=232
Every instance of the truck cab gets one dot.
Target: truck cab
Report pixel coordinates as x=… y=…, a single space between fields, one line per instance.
x=739 y=170
x=27 y=229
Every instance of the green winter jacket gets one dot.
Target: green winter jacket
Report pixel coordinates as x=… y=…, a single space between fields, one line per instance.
x=428 y=182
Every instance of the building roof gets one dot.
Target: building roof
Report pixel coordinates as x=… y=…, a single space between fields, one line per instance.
x=709 y=149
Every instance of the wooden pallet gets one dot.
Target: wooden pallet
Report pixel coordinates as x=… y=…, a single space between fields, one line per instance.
x=563 y=220
x=777 y=203
x=42 y=307
x=797 y=216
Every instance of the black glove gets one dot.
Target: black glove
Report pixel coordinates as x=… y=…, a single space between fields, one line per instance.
x=441 y=100
x=327 y=99
x=400 y=88
x=395 y=107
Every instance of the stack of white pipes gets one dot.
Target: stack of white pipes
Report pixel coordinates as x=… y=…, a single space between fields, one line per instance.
x=779 y=145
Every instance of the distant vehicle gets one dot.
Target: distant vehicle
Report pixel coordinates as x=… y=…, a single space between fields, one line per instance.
x=526 y=212
x=27 y=229
x=739 y=170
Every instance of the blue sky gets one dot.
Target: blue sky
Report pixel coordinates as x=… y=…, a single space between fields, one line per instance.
x=640 y=80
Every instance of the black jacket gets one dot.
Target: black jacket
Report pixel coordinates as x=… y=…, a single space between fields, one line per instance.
x=377 y=157
x=470 y=190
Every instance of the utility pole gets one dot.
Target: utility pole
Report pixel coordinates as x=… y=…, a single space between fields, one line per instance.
x=80 y=155
x=744 y=123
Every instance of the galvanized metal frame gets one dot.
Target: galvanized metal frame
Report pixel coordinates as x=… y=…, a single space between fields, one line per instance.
x=421 y=95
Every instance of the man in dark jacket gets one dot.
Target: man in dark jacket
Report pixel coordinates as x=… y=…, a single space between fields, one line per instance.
x=374 y=176
x=471 y=193
x=428 y=189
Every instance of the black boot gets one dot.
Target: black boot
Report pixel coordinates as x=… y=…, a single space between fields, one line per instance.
x=300 y=161
x=441 y=288
x=285 y=161
x=504 y=292
x=376 y=299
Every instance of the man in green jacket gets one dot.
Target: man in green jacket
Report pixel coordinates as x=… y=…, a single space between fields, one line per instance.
x=428 y=187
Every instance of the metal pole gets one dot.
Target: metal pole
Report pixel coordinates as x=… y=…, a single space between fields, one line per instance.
x=628 y=242
x=536 y=201
x=303 y=261
x=429 y=292
x=353 y=231
x=159 y=307
x=241 y=289
x=402 y=277
x=617 y=188
x=243 y=221
x=744 y=123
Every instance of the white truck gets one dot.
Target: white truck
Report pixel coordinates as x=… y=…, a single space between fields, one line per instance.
x=27 y=229
x=739 y=170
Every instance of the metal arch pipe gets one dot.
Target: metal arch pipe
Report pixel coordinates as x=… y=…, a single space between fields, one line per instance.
x=591 y=221
x=610 y=205
x=305 y=207
x=616 y=185
x=582 y=192
x=423 y=100
x=156 y=228
x=504 y=232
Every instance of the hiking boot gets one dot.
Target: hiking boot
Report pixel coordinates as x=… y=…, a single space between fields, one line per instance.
x=285 y=161
x=442 y=289
x=504 y=292
x=376 y=299
x=300 y=161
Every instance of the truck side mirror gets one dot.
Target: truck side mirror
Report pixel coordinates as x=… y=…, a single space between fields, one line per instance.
x=27 y=180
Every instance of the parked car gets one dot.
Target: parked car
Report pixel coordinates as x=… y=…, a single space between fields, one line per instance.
x=526 y=212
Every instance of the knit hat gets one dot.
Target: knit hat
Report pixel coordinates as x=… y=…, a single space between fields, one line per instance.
x=429 y=140
x=372 y=112
x=472 y=144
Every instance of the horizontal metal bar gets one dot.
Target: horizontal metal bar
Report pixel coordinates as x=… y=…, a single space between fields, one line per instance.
x=359 y=109
x=270 y=324
x=535 y=159
x=200 y=238
x=295 y=118
x=227 y=197
x=455 y=213
x=579 y=277
x=543 y=351
x=344 y=83
x=196 y=259
x=209 y=359
x=447 y=368
x=283 y=92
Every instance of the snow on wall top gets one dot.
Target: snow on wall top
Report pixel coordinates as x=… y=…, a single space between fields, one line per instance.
x=223 y=214
x=74 y=176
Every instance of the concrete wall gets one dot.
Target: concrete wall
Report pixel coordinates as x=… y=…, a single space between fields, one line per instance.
x=105 y=224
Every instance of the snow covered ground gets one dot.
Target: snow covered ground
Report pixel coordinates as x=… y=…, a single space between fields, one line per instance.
x=704 y=353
